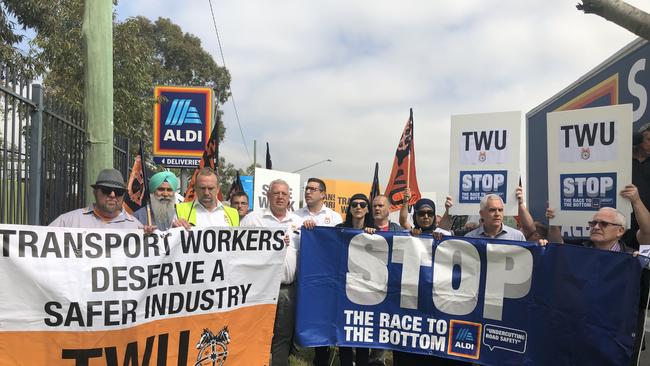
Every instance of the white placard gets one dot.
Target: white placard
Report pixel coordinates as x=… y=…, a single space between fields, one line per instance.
x=484 y=159
x=589 y=162
x=261 y=185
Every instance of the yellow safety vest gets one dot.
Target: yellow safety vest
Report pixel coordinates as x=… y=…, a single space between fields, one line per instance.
x=185 y=210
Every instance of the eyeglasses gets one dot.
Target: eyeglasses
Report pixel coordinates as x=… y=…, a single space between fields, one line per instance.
x=602 y=224
x=311 y=189
x=119 y=192
x=358 y=204
x=425 y=213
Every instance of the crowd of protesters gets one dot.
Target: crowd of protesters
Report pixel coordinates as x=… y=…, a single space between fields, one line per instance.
x=607 y=230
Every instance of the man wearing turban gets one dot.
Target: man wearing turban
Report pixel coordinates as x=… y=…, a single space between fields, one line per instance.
x=162 y=188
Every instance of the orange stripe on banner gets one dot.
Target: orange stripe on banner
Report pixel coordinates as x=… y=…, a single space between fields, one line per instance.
x=250 y=330
x=607 y=87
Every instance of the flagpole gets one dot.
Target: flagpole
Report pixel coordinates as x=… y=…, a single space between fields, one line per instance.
x=408 y=162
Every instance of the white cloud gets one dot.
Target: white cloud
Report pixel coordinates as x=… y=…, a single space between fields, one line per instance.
x=335 y=79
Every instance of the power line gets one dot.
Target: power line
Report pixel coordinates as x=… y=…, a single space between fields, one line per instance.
x=232 y=95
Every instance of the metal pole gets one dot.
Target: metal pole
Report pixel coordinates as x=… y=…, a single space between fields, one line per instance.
x=34 y=207
x=254 y=154
x=183 y=181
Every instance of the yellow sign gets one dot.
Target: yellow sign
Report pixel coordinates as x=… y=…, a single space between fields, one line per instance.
x=339 y=191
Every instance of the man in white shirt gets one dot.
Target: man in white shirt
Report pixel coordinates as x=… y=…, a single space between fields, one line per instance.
x=278 y=215
x=316 y=213
x=315 y=210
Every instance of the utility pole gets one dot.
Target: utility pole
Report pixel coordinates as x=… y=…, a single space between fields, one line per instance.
x=97 y=34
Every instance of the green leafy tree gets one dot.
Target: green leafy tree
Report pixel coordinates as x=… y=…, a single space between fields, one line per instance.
x=145 y=54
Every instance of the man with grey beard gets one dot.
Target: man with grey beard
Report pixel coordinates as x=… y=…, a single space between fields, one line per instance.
x=160 y=213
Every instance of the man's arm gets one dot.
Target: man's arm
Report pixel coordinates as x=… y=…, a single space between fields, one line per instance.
x=554 y=231
x=525 y=219
x=640 y=212
x=404 y=211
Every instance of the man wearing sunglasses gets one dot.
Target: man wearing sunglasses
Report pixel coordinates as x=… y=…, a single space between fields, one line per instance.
x=106 y=212
x=608 y=225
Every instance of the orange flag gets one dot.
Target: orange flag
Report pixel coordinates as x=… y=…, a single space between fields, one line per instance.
x=403 y=172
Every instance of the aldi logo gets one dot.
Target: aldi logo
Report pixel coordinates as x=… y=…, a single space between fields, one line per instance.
x=182 y=112
x=182 y=124
x=464 y=339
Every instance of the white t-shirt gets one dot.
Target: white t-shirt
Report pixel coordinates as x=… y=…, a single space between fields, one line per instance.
x=325 y=217
x=291 y=223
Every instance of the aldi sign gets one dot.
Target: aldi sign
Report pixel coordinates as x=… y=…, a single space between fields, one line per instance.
x=182 y=124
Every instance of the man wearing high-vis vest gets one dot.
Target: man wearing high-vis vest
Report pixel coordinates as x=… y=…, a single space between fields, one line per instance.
x=206 y=210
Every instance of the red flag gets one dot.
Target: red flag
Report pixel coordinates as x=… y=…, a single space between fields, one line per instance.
x=136 y=188
x=209 y=159
x=403 y=172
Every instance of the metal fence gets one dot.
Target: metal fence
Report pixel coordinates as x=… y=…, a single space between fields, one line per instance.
x=45 y=140
x=15 y=108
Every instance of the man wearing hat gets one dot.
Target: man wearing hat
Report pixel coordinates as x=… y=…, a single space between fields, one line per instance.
x=160 y=213
x=106 y=212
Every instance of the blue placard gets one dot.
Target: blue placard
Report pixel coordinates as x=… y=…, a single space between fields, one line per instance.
x=474 y=184
x=182 y=125
x=587 y=192
x=247 y=183
x=493 y=302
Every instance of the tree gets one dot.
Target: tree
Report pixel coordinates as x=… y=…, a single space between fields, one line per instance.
x=145 y=54
x=627 y=16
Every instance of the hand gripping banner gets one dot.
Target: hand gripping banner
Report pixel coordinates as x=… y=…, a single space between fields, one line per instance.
x=115 y=297
x=492 y=302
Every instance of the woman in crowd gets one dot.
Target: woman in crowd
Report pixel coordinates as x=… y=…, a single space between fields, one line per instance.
x=357 y=217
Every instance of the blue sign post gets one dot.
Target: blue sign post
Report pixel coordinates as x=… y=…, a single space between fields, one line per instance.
x=182 y=124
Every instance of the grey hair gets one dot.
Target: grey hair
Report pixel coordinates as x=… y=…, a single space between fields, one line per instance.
x=278 y=181
x=487 y=197
x=619 y=217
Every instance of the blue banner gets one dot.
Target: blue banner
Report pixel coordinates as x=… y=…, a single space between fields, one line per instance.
x=475 y=184
x=492 y=302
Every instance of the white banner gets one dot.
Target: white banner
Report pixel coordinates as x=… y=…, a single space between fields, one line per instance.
x=265 y=176
x=589 y=162
x=77 y=292
x=484 y=159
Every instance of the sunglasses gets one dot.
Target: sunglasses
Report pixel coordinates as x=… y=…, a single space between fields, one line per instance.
x=425 y=213
x=358 y=204
x=119 y=192
x=602 y=224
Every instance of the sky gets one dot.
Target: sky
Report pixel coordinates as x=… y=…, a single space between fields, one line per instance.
x=335 y=80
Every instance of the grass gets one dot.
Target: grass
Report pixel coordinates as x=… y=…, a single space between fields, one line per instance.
x=304 y=356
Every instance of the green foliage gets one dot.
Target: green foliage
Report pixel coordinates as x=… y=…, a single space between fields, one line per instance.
x=145 y=54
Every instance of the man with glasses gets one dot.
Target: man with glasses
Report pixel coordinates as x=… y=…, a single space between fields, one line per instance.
x=608 y=225
x=106 y=212
x=279 y=216
x=206 y=210
x=492 y=226
x=315 y=211
x=239 y=201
